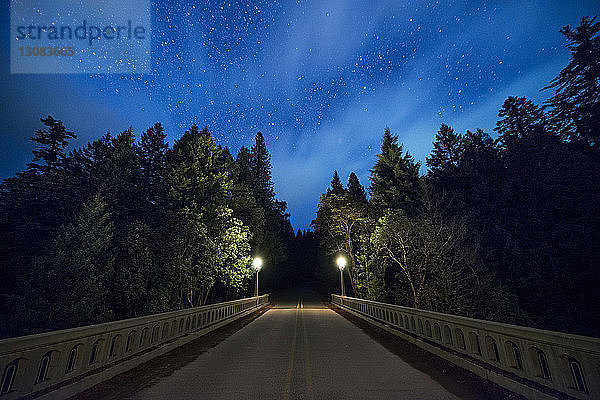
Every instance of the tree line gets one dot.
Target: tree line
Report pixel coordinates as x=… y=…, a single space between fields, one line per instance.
x=504 y=226
x=124 y=227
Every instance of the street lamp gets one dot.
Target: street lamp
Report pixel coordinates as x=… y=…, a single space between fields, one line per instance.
x=256 y=264
x=341 y=262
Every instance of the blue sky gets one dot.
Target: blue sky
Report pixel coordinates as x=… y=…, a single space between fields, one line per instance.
x=320 y=79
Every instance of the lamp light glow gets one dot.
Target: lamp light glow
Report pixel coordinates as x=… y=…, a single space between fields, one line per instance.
x=257 y=263
x=341 y=262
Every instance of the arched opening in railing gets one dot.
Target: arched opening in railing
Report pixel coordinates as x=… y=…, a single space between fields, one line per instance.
x=114 y=346
x=143 y=338
x=448 y=336
x=437 y=332
x=95 y=351
x=42 y=374
x=155 y=331
x=420 y=324
x=474 y=343
x=492 y=349
x=428 y=329
x=8 y=378
x=460 y=339
x=181 y=322
x=413 y=326
x=130 y=341
x=513 y=354
x=165 y=331
x=72 y=359
x=577 y=375
x=543 y=367
x=174 y=327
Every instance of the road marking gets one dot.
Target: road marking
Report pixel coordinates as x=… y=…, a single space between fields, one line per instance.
x=307 y=366
x=288 y=379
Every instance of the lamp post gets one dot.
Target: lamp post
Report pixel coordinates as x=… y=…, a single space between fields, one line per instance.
x=341 y=262
x=256 y=264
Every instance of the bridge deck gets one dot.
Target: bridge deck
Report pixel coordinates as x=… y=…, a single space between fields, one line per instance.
x=299 y=349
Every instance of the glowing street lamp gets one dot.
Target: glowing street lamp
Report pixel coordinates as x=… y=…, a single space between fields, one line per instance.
x=341 y=263
x=257 y=265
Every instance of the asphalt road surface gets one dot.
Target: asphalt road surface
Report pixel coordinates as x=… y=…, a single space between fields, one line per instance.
x=299 y=349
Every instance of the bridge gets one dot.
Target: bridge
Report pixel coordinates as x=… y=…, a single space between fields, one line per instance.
x=300 y=346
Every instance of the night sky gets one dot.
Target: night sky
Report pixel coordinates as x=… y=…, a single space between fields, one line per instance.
x=320 y=79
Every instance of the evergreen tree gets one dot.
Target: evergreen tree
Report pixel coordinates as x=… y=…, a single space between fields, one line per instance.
x=197 y=180
x=75 y=276
x=134 y=264
x=520 y=118
x=261 y=170
x=243 y=203
x=53 y=143
x=446 y=151
x=395 y=177
x=336 y=184
x=575 y=108
x=153 y=155
x=243 y=168
x=355 y=189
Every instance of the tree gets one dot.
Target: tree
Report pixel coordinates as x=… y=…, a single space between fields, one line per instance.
x=575 y=107
x=133 y=266
x=243 y=203
x=446 y=153
x=426 y=262
x=355 y=189
x=342 y=223
x=520 y=118
x=152 y=153
x=209 y=244
x=336 y=184
x=74 y=277
x=197 y=180
x=53 y=142
x=394 y=178
x=261 y=171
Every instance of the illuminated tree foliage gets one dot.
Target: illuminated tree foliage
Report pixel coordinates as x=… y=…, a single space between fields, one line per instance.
x=121 y=228
x=499 y=228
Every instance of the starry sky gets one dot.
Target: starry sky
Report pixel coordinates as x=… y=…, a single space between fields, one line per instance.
x=320 y=79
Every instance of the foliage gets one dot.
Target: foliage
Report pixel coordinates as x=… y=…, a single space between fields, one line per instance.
x=395 y=177
x=120 y=228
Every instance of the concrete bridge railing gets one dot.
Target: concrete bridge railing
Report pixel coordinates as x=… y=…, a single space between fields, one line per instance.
x=56 y=365
x=538 y=364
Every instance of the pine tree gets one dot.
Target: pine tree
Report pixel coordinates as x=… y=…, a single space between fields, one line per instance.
x=75 y=277
x=196 y=178
x=243 y=167
x=243 y=203
x=53 y=143
x=395 y=177
x=153 y=153
x=336 y=184
x=446 y=151
x=355 y=189
x=261 y=170
x=520 y=118
x=575 y=108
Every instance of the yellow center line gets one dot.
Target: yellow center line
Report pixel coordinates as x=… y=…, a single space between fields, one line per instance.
x=288 y=379
x=307 y=366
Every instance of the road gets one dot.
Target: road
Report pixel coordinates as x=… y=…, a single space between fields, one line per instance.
x=299 y=349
